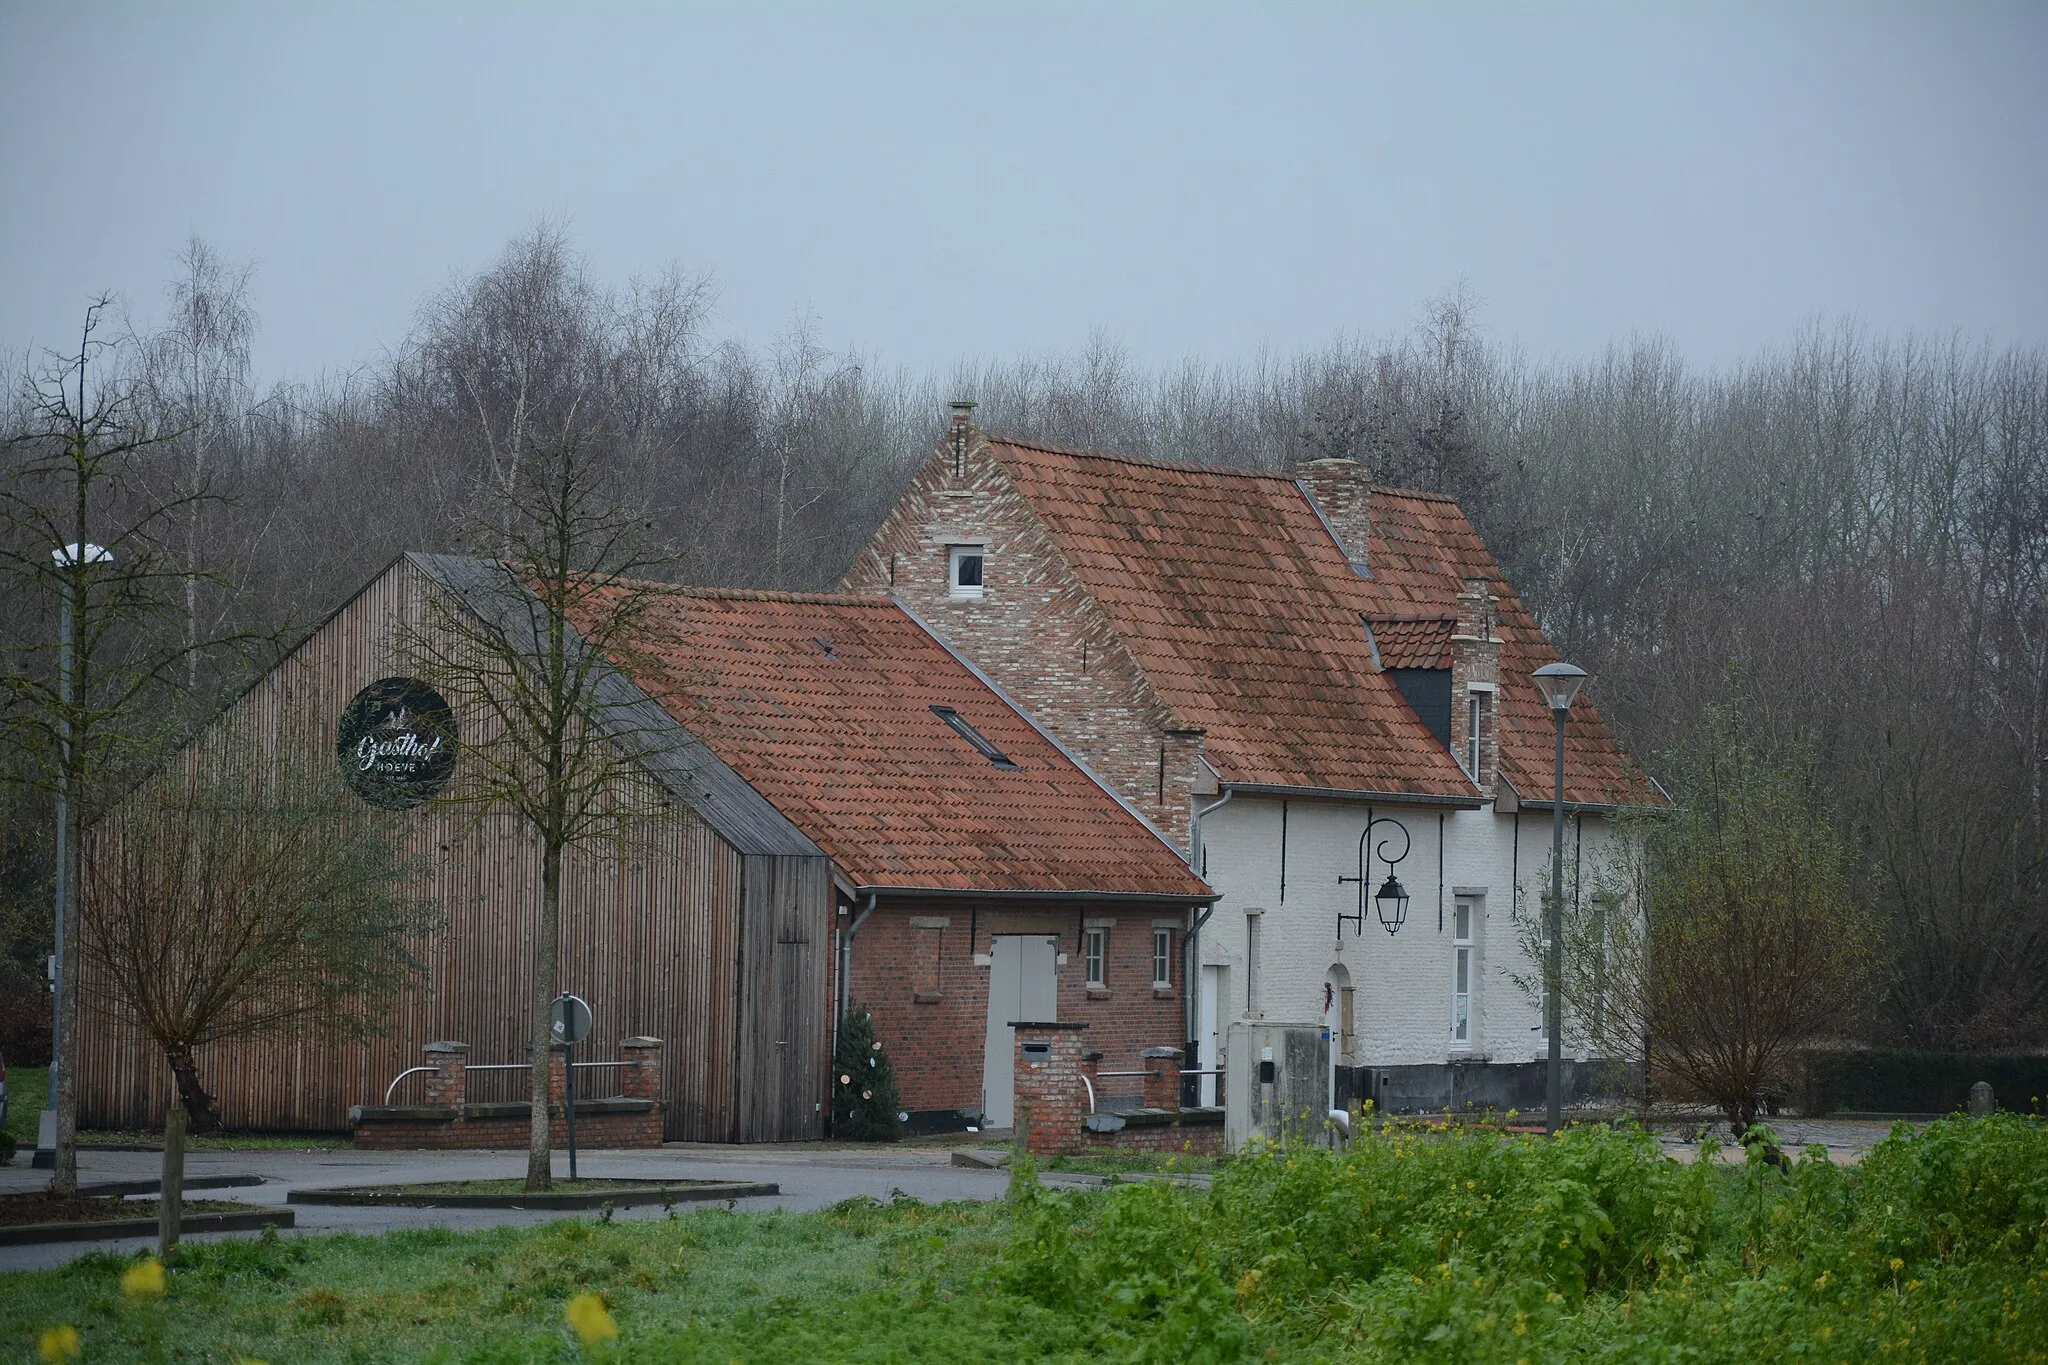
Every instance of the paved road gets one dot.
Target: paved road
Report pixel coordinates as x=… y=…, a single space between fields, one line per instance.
x=811 y=1176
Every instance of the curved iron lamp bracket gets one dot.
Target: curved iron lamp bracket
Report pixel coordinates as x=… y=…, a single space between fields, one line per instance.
x=1391 y=900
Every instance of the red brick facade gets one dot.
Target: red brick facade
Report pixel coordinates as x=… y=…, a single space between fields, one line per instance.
x=914 y=969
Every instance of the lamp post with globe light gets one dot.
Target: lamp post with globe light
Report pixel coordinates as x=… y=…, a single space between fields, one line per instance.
x=1559 y=683
x=72 y=562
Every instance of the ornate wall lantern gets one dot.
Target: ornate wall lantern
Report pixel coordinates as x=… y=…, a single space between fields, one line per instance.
x=1391 y=900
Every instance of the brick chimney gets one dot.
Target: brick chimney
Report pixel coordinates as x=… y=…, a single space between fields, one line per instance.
x=1475 y=680
x=961 y=436
x=1342 y=493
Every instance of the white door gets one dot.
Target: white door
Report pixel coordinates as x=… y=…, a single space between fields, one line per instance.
x=1210 y=1030
x=1021 y=986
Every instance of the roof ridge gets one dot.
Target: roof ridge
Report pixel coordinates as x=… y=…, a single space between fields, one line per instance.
x=1147 y=461
x=1423 y=493
x=815 y=599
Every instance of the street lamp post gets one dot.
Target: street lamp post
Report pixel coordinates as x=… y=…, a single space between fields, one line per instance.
x=72 y=561
x=1560 y=684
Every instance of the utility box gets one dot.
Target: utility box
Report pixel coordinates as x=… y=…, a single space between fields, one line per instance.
x=1276 y=1082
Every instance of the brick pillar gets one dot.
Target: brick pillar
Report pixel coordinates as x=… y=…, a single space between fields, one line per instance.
x=447 y=1083
x=642 y=1080
x=1162 y=1081
x=1048 y=1081
x=558 y=1093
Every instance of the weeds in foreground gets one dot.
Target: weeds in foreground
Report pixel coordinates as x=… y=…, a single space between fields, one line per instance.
x=1409 y=1246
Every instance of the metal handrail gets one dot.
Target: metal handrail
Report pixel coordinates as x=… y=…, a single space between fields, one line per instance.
x=410 y=1071
x=1101 y=1074
x=1091 y=1090
x=392 y=1088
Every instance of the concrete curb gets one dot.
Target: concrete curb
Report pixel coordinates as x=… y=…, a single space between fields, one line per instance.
x=628 y=1195
x=28 y=1234
x=199 y=1182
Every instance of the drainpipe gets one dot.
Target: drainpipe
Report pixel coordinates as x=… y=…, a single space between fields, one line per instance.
x=1194 y=969
x=846 y=966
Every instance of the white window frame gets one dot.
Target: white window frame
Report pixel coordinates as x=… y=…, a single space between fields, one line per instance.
x=1095 y=954
x=954 y=555
x=1162 y=958
x=1464 y=969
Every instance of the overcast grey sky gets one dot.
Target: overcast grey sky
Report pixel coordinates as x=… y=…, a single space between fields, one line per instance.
x=937 y=181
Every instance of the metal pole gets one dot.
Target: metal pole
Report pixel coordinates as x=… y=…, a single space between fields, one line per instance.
x=1553 y=923
x=569 y=1070
x=46 y=1131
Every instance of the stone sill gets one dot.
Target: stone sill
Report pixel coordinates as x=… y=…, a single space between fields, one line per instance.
x=1100 y=993
x=1163 y=992
x=925 y=997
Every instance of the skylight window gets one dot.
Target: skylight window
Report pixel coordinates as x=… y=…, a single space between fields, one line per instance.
x=973 y=736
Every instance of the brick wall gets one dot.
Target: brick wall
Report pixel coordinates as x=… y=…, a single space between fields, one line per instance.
x=914 y=969
x=1034 y=630
x=448 y=1120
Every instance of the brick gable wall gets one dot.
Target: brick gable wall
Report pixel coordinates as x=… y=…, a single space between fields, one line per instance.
x=1034 y=629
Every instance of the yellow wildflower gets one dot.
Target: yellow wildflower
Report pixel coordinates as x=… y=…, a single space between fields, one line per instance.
x=59 y=1343
x=144 y=1280
x=590 y=1320
x=1897 y=1264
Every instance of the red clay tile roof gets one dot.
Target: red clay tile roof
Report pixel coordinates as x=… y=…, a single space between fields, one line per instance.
x=1414 y=641
x=1243 y=613
x=845 y=744
x=1421 y=552
x=1248 y=620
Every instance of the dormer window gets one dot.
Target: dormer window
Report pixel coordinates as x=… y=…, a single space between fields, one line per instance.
x=963 y=570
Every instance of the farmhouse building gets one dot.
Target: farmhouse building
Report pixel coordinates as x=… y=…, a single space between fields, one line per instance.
x=1269 y=668
x=846 y=815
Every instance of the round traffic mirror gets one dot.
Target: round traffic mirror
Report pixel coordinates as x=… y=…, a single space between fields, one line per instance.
x=571 y=1019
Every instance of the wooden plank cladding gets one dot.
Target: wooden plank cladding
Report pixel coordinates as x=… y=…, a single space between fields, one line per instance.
x=692 y=932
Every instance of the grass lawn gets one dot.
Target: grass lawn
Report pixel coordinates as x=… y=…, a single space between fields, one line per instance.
x=1124 y=1163
x=1408 y=1247
x=861 y=1283
x=28 y=1090
x=220 y=1142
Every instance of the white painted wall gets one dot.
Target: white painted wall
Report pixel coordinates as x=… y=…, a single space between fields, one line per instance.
x=1403 y=980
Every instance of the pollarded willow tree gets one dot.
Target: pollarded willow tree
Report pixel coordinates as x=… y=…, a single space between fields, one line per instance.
x=1722 y=940
x=223 y=904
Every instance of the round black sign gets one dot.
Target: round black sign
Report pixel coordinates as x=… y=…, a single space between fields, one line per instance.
x=396 y=743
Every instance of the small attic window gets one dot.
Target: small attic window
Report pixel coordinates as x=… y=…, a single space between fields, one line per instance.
x=973 y=736
x=963 y=570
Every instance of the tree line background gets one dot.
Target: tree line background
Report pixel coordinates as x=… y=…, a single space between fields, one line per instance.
x=1844 y=537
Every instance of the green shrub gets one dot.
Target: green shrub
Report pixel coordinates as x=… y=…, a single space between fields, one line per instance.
x=1445 y=1246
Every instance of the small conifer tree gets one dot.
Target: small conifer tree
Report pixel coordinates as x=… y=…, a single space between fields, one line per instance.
x=863 y=1085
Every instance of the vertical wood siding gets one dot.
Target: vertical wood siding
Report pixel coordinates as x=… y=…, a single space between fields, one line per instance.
x=651 y=935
